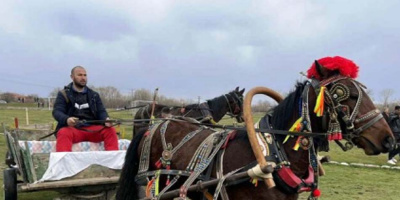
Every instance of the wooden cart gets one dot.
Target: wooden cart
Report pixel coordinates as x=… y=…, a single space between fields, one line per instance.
x=26 y=168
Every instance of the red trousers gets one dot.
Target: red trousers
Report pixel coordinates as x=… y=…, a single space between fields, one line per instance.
x=67 y=136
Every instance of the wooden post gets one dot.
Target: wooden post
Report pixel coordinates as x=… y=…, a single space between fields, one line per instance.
x=27 y=116
x=153 y=106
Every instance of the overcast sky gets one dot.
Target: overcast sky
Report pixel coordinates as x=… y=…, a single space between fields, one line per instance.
x=194 y=48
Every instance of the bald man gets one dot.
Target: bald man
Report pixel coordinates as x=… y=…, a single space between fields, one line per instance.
x=78 y=102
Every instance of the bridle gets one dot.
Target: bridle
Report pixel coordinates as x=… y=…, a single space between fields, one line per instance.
x=237 y=108
x=339 y=114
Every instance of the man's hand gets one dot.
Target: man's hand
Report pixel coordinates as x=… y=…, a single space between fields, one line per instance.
x=108 y=124
x=71 y=121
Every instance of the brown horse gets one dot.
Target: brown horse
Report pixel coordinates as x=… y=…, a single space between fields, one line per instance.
x=348 y=108
x=209 y=112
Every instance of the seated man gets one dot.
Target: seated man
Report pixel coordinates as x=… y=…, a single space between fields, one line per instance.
x=78 y=102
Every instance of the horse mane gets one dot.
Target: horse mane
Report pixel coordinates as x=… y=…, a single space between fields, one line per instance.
x=215 y=104
x=283 y=112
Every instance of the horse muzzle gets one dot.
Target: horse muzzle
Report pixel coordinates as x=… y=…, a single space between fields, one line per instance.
x=239 y=119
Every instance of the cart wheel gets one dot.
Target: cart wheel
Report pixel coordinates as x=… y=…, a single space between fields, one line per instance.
x=10 y=184
x=9 y=159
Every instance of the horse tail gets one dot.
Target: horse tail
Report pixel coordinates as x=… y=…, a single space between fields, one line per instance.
x=127 y=189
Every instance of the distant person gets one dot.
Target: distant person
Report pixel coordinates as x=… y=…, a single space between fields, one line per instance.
x=78 y=102
x=386 y=114
x=394 y=123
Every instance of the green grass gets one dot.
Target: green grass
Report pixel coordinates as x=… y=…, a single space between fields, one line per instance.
x=22 y=105
x=353 y=183
x=345 y=183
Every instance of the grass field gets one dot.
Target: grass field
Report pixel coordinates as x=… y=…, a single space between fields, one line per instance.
x=341 y=182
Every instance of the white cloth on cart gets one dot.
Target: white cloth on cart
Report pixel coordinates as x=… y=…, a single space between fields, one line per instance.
x=67 y=164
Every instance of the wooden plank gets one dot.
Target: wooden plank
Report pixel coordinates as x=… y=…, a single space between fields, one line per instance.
x=34 y=134
x=29 y=165
x=67 y=183
x=40 y=163
x=12 y=139
x=25 y=166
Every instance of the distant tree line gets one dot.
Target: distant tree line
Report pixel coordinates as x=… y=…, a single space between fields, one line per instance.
x=113 y=98
x=14 y=97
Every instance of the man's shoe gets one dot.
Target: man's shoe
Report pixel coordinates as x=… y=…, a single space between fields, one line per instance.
x=391 y=161
x=394 y=159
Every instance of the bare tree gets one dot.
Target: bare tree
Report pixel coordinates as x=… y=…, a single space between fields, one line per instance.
x=386 y=94
x=261 y=106
x=111 y=97
x=143 y=94
x=54 y=92
x=8 y=96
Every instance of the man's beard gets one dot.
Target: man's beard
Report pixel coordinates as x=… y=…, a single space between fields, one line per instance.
x=79 y=85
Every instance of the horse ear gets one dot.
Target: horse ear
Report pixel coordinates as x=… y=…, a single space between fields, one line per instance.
x=319 y=69
x=242 y=91
x=237 y=89
x=323 y=72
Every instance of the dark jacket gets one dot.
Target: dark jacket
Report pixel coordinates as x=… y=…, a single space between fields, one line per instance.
x=394 y=123
x=63 y=110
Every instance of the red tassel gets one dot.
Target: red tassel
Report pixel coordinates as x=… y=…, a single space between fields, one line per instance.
x=316 y=193
x=158 y=164
x=147 y=133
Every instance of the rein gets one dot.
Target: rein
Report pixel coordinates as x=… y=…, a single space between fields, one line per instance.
x=229 y=127
x=126 y=108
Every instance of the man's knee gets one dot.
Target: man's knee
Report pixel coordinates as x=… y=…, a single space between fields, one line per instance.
x=65 y=132
x=110 y=131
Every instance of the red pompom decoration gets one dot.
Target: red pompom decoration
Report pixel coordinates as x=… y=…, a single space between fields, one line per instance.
x=316 y=193
x=345 y=67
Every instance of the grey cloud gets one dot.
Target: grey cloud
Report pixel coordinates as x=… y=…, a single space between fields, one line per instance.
x=191 y=48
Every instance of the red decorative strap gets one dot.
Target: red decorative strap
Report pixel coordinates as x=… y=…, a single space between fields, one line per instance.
x=231 y=136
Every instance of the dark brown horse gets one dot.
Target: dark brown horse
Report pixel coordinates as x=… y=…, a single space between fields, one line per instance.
x=210 y=111
x=345 y=103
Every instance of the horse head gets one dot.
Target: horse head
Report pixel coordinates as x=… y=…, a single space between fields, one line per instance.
x=348 y=108
x=235 y=104
x=332 y=102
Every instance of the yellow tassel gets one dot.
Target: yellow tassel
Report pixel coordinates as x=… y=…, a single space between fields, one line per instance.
x=254 y=181
x=297 y=145
x=212 y=121
x=295 y=127
x=319 y=105
x=157 y=182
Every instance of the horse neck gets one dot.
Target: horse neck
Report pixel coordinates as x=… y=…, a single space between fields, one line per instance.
x=299 y=159
x=219 y=107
